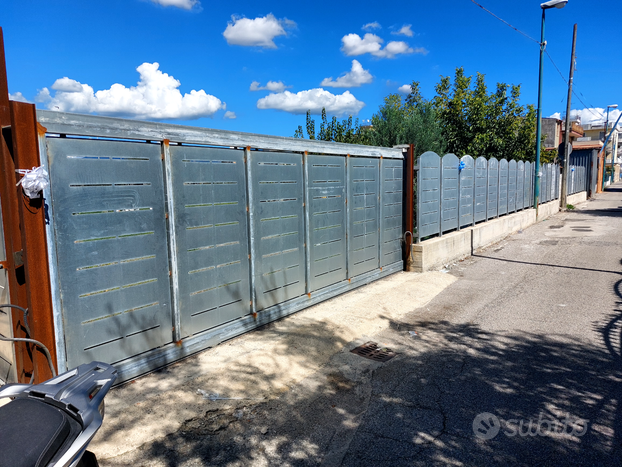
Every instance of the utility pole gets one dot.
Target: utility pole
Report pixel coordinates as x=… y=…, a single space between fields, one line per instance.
x=564 y=192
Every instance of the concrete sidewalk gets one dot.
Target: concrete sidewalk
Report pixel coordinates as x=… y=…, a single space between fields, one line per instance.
x=527 y=328
x=258 y=366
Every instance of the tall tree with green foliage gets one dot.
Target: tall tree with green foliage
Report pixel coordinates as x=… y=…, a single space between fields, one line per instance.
x=463 y=118
x=411 y=120
x=477 y=123
x=345 y=131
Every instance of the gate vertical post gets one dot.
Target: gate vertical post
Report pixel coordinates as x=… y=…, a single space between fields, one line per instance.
x=172 y=239
x=32 y=220
x=306 y=206
x=251 y=227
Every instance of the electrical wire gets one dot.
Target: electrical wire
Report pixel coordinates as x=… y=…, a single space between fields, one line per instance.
x=505 y=22
x=28 y=340
x=573 y=91
x=589 y=108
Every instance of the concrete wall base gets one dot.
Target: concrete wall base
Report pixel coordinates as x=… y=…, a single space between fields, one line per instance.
x=437 y=252
x=577 y=198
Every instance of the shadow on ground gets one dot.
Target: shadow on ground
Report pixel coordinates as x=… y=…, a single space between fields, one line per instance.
x=418 y=408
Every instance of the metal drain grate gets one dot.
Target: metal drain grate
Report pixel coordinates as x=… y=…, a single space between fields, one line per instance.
x=371 y=351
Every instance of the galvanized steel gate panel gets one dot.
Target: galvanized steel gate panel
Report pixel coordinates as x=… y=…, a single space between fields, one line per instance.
x=449 y=192
x=211 y=234
x=278 y=197
x=156 y=242
x=112 y=242
x=364 y=213
x=467 y=185
x=391 y=197
x=327 y=219
x=428 y=194
x=481 y=186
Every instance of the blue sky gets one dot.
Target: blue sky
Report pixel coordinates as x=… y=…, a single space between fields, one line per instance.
x=256 y=66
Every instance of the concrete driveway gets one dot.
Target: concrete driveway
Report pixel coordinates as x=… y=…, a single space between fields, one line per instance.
x=512 y=357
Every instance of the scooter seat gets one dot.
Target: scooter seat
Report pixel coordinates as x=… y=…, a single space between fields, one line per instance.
x=32 y=432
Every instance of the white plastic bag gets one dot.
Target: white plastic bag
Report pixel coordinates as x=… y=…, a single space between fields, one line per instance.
x=33 y=181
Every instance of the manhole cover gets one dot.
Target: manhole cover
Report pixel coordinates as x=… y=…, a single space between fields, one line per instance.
x=371 y=351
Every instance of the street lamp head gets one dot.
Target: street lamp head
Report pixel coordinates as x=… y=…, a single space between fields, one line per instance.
x=612 y=106
x=553 y=4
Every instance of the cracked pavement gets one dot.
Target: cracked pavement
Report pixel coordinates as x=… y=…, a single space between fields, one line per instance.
x=530 y=332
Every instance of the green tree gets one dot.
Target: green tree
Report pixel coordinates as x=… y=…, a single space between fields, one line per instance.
x=346 y=131
x=462 y=118
x=481 y=124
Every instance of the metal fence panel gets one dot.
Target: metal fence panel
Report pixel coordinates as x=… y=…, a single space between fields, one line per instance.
x=391 y=197
x=277 y=204
x=544 y=180
x=363 y=225
x=503 y=186
x=467 y=181
x=428 y=195
x=511 y=186
x=327 y=219
x=493 y=187
x=110 y=228
x=554 y=180
x=520 y=185
x=527 y=186
x=209 y=199
x=449 y=192
x=481 y=187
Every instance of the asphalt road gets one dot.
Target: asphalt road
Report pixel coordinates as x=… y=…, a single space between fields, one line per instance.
x=518 y=362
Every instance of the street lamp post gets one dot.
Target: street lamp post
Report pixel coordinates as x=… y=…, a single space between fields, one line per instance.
x=545 y=6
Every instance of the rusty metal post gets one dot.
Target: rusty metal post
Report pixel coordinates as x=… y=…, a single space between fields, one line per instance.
x=409 y=199
x=32 y=221
x=10 y=218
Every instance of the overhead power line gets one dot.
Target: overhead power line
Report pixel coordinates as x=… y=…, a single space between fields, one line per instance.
x=589 y=108
x=505 y=22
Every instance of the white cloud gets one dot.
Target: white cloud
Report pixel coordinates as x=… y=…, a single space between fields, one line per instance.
x=67 y=85
x=404 y=31
x=155 y=97
x=258 y=32
x=314 y=100
x=353 y=44
x=183 y=4
x=595 y=115
x=405 y=89
x=18 y=97
x=274 y=86
x=371 y=26
x=353 y=79
x=229 y=115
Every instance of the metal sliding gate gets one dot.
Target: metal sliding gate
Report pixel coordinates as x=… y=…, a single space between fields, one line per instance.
x=160 y=249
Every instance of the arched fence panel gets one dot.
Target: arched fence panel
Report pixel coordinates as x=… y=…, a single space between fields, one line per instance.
x=493 y=187
x=503 y=186
x=511 y=186
x=428 y=194
x=481 y=186
x=449 y=192
x=467 y=186
x=520 y=185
